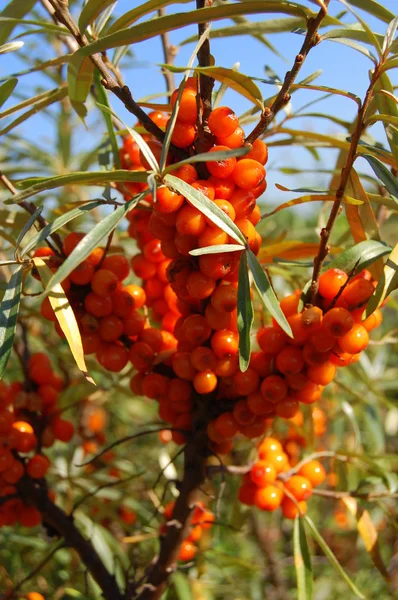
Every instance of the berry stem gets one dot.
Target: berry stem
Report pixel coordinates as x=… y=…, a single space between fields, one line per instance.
x=283 y=97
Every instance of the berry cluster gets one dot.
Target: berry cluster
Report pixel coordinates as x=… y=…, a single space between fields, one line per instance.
x=202 y=520
x=29 y=421
x=270 y=483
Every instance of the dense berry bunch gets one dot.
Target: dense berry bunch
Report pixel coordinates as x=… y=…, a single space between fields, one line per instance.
x=271 y=483
x=29 y=421
x=202 y=520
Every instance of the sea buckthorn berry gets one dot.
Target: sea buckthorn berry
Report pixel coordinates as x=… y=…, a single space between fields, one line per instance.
x=206 y=187
x=223 y=188
x=195 y=533
x=242 y=413
x=91 y=342
x=71 y=241
x=271 y=340
x=34 y=596
x=224 y=298
x=82 y=274
x=22 y=437
x=312 y=318
x=141 y=356
x=226 y=207
x=221 y=168
x=291 y=509
x=153 y=252
x=300 y=487
x=322 y=340
x=187 y=551
x=220 y=319
x=152 y=337
x=250 y=233
x=277 y=458
x=299 y=329
x=37 y=466
x=330 y=283
x=255 y=216
x=273 y=388
x=246 y=383
x=314 y=358
x=179 y=391
x=216 y=266
x=226 y=426
x=258 y=152
x=287 y=407
x=182 y=367
x=268 y=498
x=168 y=201
x=97 y=306
x=205 y=382
x=357 y=293
x=262 y=473
x=314 y=472
x=247 y=493
x=235 y=140
x=261 y=362
x=259 y=406
x=322 y=374
x=187 y=173
x=62 y=429
x=338 y=321
x=190 y=221
x=113 y=357
x=153 y=289
x=223 y=121
x=203 y=358
x=212 y=236
x=290 y=360
x=104 y=283
x=132 y=148
x=6 y=460
x=289 y=304
x=248 y=173
x=243 y=202
x=127 y=299
x=355 y=340
x=227 y=366
x=269 y=444
x=143 y=268
x=309 y=393
x=196 y=329
x=373 y=321
x=183 y=134
x=118 y=264
x=47 y=310
x=6 y=421
x=134 y=324
x=297 y=381
x=184 y=244
x=155 y=386
x=156 y=148
x=187 y=110
x=110 y=328
x=225 y=343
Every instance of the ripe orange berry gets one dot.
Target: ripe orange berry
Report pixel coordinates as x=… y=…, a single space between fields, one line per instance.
x=212 y=236
x=168 y=201
x=221 y=168
x=34 y=596
x=273 y=388
x=37 y=466
x=182 y=367
x=248 y=173
x=190 y=221
x=217 y=266
x=235 y=140
x=134 y=324
x=357 y=293
x=262 y=473
x=183 y=134
x=242 y=413
x=127 y=300
x=245 y=383
x=113 y=357
x=97 y=306
x=225 y=343
x=187 y=551
x=14 y=473
x=30 y=517
x=314 y=472
x=225 y=425
x=277 y=458
x=322 y=374
x=187 y=110
x=300 y=487
x=312 y=318
x=205 y=382
x=187 y=173
x=309 y=393
x=154 y=386
x=141 y=356
x=338 y=321
x=71 y=241
x=227 y=366
x=268 y=498
x=62 y=429
x=196 y=330
x=322 y=340
x=22 y=437
x=117 y=264
x=243 y=202
x=291 y=509
x=258 y=406
x=287 y=407
x=258 y=152
x=223 y=121
x=110 y=328
x=373 y=321
x=82 y=274
x=153 y=252
x=224 y=298
x=330 y=283
x=289 y=304
x=271 y=340
x=143 y=268
x=203 y=358
x=355 y=340
x=314 y=358
x=289 y=360
x=199 y=285
x=152 y=337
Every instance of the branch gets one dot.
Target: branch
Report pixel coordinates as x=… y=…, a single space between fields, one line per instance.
x=169 y=53
x=62 y=14
x=283 y=97
x=344 y=177
x=66 y=528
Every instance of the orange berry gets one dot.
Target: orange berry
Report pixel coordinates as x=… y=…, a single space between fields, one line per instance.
x=224 y=298
x=225 y=425
x=243 y=202
x=268 y=498
x=143 y=268
x=182 y=367
x=196 y=330
x=273 y=388
x=227 y=366
x=141 y=356
x=110 y=328
x=187 y=551
x=330 y=283
x=309 y=393
x=289 y=304
x=205 y=382
x=203 y=358
x=34 y=596
x=373 y=321
x=183 y=135
x=223 y=188
x=71 y=241
x=338 y=321
x=82 y=274
x=314 y=472
x=127 y=300
x=289 y=360
x=22 y=436
x=113 y=357
x=212 y=236
x=200 y=286
x=168 y=201
x=37 y=466
x=221 y=168
x=242 y=413
x=247 y=493
x=262 y=473
x=322 y=374
x=357 y=293
x=154 y=386
x=291 y=509
x=277 y=458
x=187 y=110
x=245 y=383
x=235 y=140
x=248 y=173
x=14 y=473
x=271 y=340
x=225 y=343
x=153 y=252
x=134 y=324
x=287 y=407
x=187 y=173
x=97 y=305
x=62 y=429
x=355 y=340
x=30 y=517
x=190 y=221
x=223 y=121
x=258 y=152
x=300 y=487
x=117 y=264
x=217 y=266
x=258 y=405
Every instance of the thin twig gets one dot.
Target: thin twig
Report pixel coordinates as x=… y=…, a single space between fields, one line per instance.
x=311 y=39
x=370 y=496
x=344 y=178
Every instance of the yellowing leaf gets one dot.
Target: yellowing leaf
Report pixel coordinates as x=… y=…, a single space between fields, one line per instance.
x=310 y=198
x=65 y=316
x=289 y=250
x=368 y=533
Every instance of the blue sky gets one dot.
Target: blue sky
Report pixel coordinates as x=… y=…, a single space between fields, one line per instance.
x=342 y=67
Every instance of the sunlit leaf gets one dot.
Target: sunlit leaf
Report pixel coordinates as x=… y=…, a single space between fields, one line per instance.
x=310 y=198
x=9 y=309
x=30 y=101
x=28 y=225
x=390 y=35
x=10 y=47
x=14 y=10
x=245 y=313
x=54 y=62
x=6 y=89
x=207 y=207
x=374 y=8
x=91 y=10
x=388 y=282
x=387 y=105
x=266 y=293
x=302 y=561
x=216 y=249
x=359 y=256
x=386 y=177
x=289 y=250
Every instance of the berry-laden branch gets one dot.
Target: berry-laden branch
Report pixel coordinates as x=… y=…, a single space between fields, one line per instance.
x=344 y=177
x=65 y=528
x=195 y=457
x=283 y=97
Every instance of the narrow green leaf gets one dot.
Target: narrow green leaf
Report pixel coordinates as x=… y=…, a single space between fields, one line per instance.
x=9 y=309
x=91 y=10
x=90 y=241
x=310 y=198
x=333 y=560
x=375 y=9
x=16 y=9
x=245 y=314
x=359 y=256
x=386 y=177
x=57 y=224
x=383 y=118
x=353 y=31
x=40 y=184
x=6 y=89
x=10 y=47
x=243 y=84
x=207 y=207
x=266 y=293
x=54 y=62
x=56 y=96
x=348 y=410
x=207 y=156
x=388 y=282
x=355 y=46
x=102 y=96
x=28 y=225
x=216 y=249
x=181 y=586
x=140 y=11
x=390 y=35
x=372 y=37
x=28 y=102
x=387 y=104
x=302 y=561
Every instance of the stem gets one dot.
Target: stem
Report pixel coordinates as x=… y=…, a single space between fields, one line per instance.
x=66 y=528
x=344 y=177
x=283 y=97
x=169 y=53
x=206 y=83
